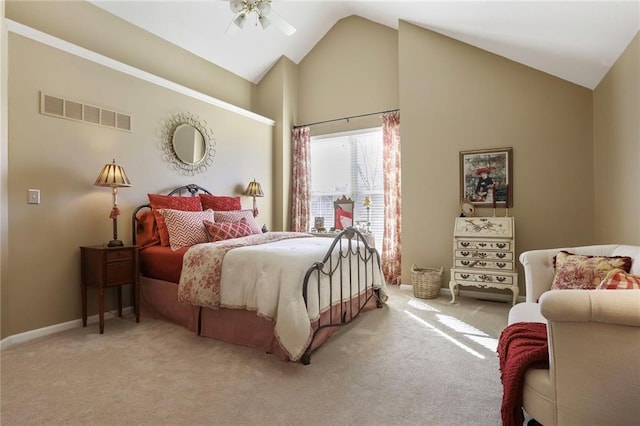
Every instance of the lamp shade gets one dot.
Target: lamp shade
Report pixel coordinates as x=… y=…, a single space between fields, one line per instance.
x=113 y=176
x=254 y=189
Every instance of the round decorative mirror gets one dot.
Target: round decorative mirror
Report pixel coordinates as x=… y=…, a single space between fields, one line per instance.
x=188 y=144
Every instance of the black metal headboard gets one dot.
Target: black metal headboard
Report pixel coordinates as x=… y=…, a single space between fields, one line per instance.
x=192 y=188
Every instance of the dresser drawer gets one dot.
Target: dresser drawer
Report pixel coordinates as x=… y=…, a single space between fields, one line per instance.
x=474 y=278
x=484 y=264
x=483 y=245
x=485 y=255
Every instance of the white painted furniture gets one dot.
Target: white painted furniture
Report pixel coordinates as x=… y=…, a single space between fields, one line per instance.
x=484 y=254
x=594 y=342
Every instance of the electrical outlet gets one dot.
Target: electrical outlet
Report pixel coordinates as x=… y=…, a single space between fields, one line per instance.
x=33 y=196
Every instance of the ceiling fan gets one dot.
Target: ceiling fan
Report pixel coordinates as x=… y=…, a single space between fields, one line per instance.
x=264 y=16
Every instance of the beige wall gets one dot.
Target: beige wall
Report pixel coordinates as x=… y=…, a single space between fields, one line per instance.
x=62 y=158
x=353 y=70
x=454 y=97
x=93 y=28
x=276 y=98
x=616 y=138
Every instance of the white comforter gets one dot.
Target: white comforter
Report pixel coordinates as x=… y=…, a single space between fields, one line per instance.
x=268 y=278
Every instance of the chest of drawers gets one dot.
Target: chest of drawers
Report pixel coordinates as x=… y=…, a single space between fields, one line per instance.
x=484 y=254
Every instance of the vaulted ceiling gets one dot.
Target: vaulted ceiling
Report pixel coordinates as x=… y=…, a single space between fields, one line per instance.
x=576 y=41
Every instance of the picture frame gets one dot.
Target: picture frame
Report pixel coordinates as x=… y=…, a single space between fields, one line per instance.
x=482 y=171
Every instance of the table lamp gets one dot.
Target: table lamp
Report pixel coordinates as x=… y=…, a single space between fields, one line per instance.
x=113 y=176
x=254 y=190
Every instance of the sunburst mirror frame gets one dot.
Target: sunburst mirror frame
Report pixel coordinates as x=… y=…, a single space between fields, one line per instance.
x=170 y=155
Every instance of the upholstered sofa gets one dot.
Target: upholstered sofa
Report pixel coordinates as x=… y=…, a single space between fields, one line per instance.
x=594 y=345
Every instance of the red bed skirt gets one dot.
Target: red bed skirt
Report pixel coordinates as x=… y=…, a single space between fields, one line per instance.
x=159 y=299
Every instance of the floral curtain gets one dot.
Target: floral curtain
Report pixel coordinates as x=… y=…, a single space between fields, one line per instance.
x=391 y=237
x=301 y=180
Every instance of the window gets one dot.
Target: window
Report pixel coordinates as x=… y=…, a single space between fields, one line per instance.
x=348 y=164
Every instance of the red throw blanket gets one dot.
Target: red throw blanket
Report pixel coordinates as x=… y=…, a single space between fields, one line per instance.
x=522 y=345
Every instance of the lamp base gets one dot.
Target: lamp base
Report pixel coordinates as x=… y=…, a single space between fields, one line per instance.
x=115 y=243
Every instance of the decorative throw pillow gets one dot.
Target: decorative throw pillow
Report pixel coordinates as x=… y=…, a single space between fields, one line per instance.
x=220 y=203
x=576 y=271
x=236 y=215
x=227 y=230
x=146 y=230
x=617 y=279
x=186 y=228
x=159 y=201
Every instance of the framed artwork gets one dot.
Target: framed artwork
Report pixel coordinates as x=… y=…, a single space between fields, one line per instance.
x=486 y=177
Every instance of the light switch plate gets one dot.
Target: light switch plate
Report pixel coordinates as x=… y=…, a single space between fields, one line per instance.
x=33 y=196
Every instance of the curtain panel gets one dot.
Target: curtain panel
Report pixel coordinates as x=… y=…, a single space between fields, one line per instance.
x=301 y=180
x=391 y=238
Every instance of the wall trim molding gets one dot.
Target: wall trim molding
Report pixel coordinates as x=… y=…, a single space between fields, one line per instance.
x=16 y=339
x=49 y=40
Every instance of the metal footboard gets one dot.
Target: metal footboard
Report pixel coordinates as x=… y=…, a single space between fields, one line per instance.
x=349 y=254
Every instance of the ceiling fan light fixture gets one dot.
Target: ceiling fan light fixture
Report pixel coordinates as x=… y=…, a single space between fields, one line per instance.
x=236 y=5
x=264 y=22
x=239 y=20
x=264 y=7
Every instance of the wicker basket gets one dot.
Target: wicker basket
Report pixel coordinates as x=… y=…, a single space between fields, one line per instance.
x=426 y=282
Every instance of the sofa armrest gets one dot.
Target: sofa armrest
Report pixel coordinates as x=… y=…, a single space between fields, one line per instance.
x=594 y=341
x=538 y=272
x=620 y=307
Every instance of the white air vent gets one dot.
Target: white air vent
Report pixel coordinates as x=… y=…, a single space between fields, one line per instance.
x=74 y=110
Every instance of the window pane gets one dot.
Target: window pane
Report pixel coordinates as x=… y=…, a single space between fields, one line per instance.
x=350 y=165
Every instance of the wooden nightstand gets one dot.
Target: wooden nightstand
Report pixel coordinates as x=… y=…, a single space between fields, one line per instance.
x=102 y=267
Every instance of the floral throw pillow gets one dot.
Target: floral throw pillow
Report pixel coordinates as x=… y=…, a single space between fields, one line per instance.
x=236 y=215
x=186 y=228
x=227 y=230
x=617 y=279
x=577 y=271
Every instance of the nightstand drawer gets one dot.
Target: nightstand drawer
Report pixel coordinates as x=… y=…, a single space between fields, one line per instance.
x=118 y=273
x=117 y=255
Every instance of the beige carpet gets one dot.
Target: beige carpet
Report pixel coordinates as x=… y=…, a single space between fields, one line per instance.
x=414 y=362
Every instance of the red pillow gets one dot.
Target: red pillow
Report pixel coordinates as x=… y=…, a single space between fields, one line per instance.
x=157 y=201
x=219 y=202
x=147 y=231
x=219 y=231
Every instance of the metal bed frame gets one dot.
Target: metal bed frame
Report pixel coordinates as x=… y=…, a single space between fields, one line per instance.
x=349 y=252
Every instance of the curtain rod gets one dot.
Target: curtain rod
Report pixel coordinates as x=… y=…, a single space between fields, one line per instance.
x=345 y=118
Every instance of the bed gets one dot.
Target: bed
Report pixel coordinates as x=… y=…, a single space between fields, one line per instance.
x=284 y=293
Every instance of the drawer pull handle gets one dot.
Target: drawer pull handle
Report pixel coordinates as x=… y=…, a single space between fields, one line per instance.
x=464 y=243
x=501 y=264
x=501 y=245
x=465 y=276
x=465 y=262
x=501 y=279
x=465 y=253
x=482 y=244
x=501 y=255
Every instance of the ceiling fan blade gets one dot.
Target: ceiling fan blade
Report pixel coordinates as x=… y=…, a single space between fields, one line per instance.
x=279 y=22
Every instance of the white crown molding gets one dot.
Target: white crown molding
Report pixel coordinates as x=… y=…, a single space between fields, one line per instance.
x=49 y=40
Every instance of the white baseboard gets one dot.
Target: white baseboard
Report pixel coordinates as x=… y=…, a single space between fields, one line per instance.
x=16 y=339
